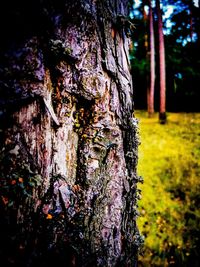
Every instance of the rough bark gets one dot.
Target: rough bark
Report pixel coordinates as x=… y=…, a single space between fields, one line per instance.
x=68 y=136
x=162 y=111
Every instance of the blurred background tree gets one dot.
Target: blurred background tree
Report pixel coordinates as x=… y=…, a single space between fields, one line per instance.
x=181 y=24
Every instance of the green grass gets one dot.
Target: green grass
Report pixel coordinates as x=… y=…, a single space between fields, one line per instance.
x=169 y=161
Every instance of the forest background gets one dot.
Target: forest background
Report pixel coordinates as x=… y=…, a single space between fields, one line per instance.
x=169 y=153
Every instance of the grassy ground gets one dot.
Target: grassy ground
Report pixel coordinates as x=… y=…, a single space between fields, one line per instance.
x=169 y=161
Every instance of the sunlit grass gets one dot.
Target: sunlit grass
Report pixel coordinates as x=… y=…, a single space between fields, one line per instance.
x=169 y=161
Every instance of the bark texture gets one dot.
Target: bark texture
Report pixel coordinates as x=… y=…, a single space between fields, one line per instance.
x=68 y=136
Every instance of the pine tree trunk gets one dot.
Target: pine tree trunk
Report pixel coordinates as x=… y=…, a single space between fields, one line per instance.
x=146 y=46
x=68 y=136
x=152 y=63
x=162 y=113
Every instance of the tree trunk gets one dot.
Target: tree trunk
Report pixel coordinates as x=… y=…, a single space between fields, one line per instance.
x=162 y=113
x=152 y=63
x=68 y=136
x=146 y=46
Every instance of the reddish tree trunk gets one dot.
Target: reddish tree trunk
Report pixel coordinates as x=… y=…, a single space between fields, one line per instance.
x=162 y=113
x=146 y=46
x=152 y=63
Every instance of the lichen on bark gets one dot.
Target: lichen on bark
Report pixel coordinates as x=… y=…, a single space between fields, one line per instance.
x=69 y=139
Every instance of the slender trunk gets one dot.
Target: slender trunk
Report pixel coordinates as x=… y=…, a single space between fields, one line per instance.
x=68 y=136
x=162 y=112
x=152 y=62
x=146 y=46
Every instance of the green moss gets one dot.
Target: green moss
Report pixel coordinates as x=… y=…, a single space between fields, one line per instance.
x=18 y=184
